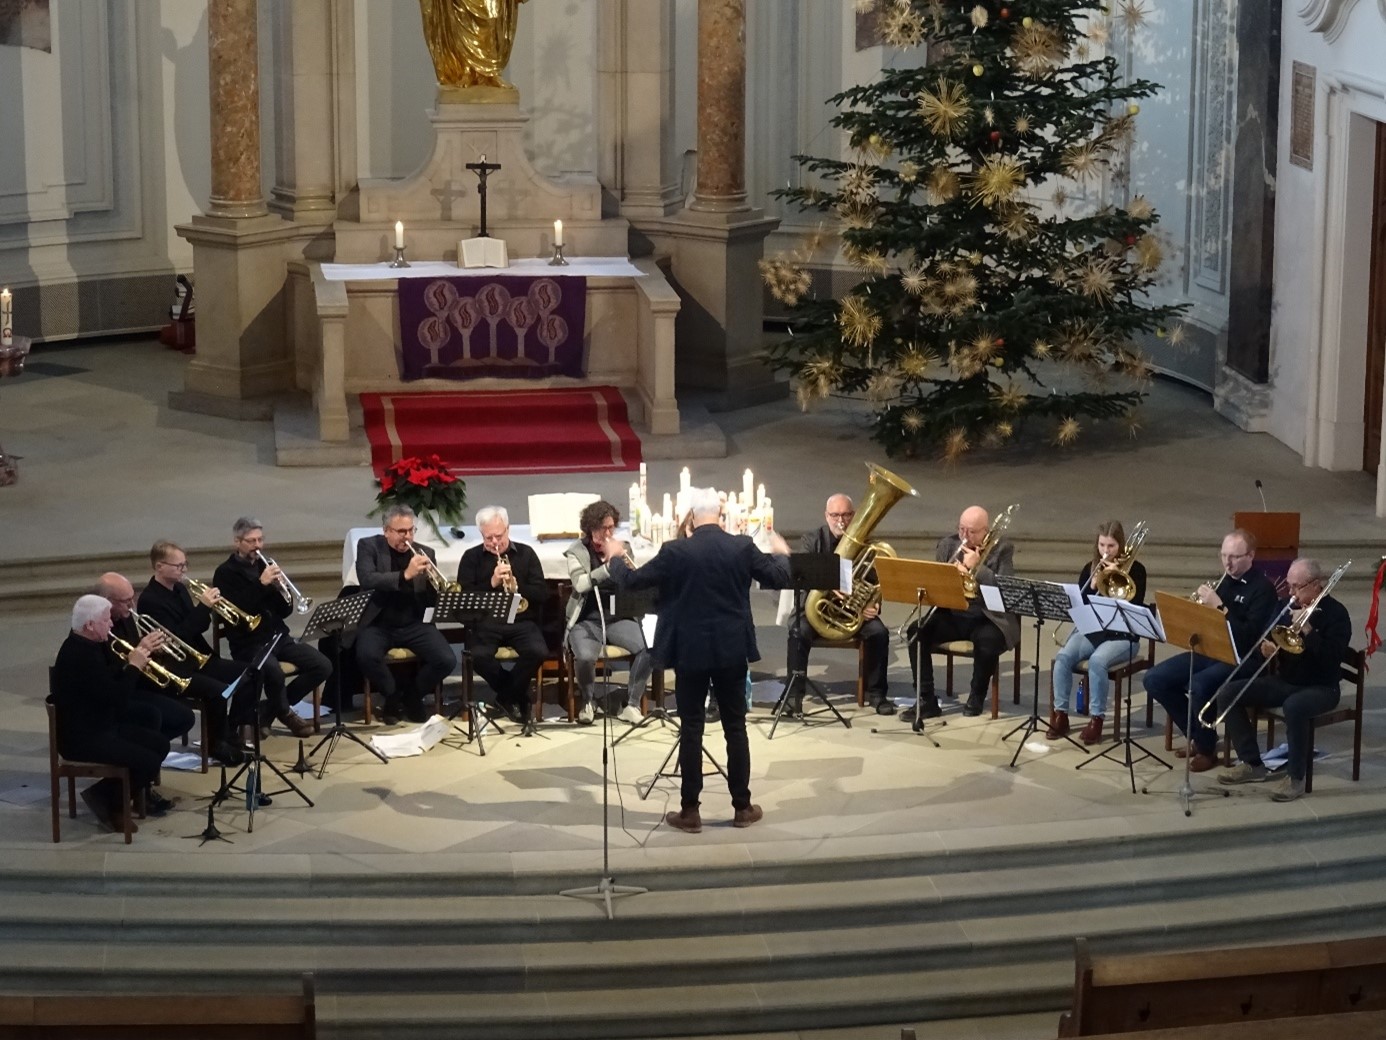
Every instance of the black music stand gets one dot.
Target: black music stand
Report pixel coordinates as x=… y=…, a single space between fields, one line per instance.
x=342 y=617
x=1199 y=629
x=808 y=572
x=1043 y=601
x=1117 y=615
x=920 y=583
x=474 y=606
x=636 y=603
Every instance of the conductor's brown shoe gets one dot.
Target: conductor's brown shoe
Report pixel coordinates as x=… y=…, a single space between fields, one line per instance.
x=747 y=816
x=686 y=820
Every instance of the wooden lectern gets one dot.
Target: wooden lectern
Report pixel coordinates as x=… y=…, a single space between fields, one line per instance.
x=1277 y=540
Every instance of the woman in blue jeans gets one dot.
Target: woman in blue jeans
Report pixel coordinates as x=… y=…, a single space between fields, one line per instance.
x=1102 y=650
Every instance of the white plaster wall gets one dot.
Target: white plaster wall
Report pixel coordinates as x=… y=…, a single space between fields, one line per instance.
x=1299 y=224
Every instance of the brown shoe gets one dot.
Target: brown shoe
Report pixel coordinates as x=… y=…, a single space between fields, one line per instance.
x=747 y=816
x=1058 y=725
x=686 y=820
x=1201 y=763
x=1092 y=732
x=295 y=725
x=1182 y=752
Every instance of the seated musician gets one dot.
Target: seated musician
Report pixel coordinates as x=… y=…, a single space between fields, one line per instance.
x=206 y=685
x=247 y=581
x=837 y=514
x=1247 y=597
x=90 y=701
x=1102 y=650
x=395 y=570
x=991 y=633
x=499 y=563
x=1303 y=685
x=586 y=634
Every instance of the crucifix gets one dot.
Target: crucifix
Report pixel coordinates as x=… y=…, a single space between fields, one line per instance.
x=482 y=170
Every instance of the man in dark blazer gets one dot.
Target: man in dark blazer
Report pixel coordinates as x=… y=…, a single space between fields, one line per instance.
x=990 y=632
x=705 y=633
x=394 y=570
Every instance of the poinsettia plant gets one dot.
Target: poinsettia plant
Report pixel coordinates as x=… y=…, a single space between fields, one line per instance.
x=426 y=485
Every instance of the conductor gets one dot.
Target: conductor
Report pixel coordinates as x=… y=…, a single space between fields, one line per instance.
x=705 y=633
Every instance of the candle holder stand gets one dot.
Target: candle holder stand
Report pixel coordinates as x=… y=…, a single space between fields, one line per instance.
x=399 y=260
x=558 y=260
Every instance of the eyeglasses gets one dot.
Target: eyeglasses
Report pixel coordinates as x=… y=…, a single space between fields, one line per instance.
x=176 y=566
x=1235 y=556
x=610 y=526
x=400 y=530
x=842 y=516
x=1294 y=586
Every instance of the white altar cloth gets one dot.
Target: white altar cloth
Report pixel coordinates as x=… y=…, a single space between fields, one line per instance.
x=529 y=267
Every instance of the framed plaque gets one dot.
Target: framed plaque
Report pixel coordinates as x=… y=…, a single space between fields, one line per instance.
x=1302 y=90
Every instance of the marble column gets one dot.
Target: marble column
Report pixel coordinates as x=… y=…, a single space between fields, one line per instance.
x=233 y=61
x=721 y=184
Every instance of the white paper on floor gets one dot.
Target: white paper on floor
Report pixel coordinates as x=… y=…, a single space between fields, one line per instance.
x=304 y=709
x=187 y=761
x=1276 y=758
x=24 y=796
x=410 y=742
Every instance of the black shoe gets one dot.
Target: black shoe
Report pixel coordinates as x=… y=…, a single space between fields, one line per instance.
x=514 y=712
x=885 y=707
x=392 y=712
x=156 y=804
x=228 y=754
x=793 y=709
x=930 y=709
x=414 y=711
x=973 y=707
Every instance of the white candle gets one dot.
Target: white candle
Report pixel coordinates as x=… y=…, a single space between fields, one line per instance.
x=748 y=482
x=399 y=234
x=632 y=502
x=644 y=483
x=558 y=232
x=6 y=317
x=760 y=496
x=668 y=512
x=685 y=480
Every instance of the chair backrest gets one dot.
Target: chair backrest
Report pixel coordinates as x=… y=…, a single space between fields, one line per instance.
x=1354 y=671
x=52 y=736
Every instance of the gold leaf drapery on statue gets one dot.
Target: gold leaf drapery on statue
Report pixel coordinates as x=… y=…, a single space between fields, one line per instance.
x=470 y=40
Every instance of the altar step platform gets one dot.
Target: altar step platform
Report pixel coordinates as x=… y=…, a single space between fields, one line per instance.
x=732 y=938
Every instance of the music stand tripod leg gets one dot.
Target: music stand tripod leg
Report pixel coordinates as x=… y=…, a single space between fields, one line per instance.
x=918 y=725
x=1126 y=744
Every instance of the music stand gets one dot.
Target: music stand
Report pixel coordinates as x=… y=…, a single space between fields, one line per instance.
x=1043 y=601
x=1199 y=629
x=462 y=607
x=920 y=583
x=636 y=603
x=1107 y=614
x=341 y=616
x=808 y=572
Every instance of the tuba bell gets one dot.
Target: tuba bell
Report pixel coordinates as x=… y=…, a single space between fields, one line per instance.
x=840 y=617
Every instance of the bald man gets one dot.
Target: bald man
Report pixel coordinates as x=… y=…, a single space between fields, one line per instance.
x=991 y=634
x=837 y=514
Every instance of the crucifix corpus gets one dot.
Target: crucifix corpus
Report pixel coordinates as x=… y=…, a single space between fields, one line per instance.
x=482 y=169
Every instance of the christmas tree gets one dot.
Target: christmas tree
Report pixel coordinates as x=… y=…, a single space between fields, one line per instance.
x=991 y=294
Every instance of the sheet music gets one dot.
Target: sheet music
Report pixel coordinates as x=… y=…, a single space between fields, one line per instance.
x=991 y=597
x=844 y=575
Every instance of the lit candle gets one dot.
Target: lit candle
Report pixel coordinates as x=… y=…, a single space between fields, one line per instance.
x=644 y=484
x=760 y=496
x=399 y=234
x=558 y=232
x=685 y=480
x=668 y=508
x=6 y=317
x=748 y=482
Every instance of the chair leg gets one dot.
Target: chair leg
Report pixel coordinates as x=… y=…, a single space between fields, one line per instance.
x=948 y=676
x=72 y=797
x=1015 y=677
x=126 y=809
x=56 y=804
x=1169 y=734
x=366 y=704
x=317 y=707
x=206 y=738
x=996 y=694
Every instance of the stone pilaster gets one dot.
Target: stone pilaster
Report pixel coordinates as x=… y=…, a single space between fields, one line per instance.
x=721 y=184
x=233 y=61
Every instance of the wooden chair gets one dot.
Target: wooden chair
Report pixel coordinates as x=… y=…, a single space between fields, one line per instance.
x=1354 y=672
x=60 y=768
x=964 y=648
x=1118 y=675
x=855 y=643
x=654 y=692
x=404 y=664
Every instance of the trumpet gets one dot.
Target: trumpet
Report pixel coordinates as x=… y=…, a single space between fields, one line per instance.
x=436 y=578
x=225 y=609
x=511 y=584
x=1194 y=596
x=153 y=671
x=172 y=646
x=301 y=603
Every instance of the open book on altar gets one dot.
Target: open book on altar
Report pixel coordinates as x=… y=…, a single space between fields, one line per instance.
x=556 y=515
x=482 y=252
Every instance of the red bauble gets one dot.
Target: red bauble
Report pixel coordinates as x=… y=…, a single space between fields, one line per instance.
x=1005 y=13
x=1000 y=342
x=1130 y=240
x=995 y=136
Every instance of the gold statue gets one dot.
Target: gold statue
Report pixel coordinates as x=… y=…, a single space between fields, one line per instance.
x=470 y=40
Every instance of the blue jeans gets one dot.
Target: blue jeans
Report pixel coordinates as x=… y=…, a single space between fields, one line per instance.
x=1104 y=655
x=1168 y=684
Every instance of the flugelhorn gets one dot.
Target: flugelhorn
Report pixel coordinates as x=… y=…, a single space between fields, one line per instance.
x=153 y=671
x=301 y=603
x=436 y=577
x=174 y=647
x=225 y=609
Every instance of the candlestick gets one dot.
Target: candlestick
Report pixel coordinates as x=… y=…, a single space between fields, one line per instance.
x=399 y=260
x=558 y=259
x=558 y=232
x=399 y=234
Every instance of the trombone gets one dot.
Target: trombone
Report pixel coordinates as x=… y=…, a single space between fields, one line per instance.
x=994 y=533
x=225 y=609
x=1117 y=582
x=173 y=646
x=301 y=603
x=436 y=578
x=153 y=671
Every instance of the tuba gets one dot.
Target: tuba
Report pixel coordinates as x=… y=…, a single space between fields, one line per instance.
x=1117 y=583
x=840 y=617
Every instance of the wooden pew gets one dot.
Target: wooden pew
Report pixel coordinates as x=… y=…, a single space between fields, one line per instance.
x=158 y=1016
x=1350 y=1025
x=1134 y=992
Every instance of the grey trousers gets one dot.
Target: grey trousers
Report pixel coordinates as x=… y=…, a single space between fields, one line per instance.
x=585 y=640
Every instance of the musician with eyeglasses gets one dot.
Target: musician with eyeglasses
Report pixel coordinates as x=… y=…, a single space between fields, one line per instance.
x=990 y=632
x=838 y=512
x=258 y=587
x=588 y=631
x=499 y=563
x=206 y=684
x=1304 y=683
x=1102 y=650
x=1247 y=596
x=395 y=570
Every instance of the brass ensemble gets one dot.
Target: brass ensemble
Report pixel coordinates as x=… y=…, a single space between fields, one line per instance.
x=301 y=603
x=436 y=578
x=1116 y=582
x=153 y=671
x=994 y=534
x=832 y=615
x=511 y=584
x=172 y=646
x=225 y=609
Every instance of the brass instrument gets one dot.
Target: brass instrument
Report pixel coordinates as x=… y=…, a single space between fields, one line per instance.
x=994 y=532
x=153 y=671
x=832 y=615
x=1117 y=583
x=511 y=584
x=301 y=603
x=225 y=609
x=1212 y=585
x=172 y=646
x=436 y=578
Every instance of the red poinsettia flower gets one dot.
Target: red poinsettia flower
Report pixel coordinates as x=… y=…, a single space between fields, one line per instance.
x=419 y=478
x=387 y=481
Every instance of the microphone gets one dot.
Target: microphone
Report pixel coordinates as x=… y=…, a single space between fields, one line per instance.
x=1263 y=497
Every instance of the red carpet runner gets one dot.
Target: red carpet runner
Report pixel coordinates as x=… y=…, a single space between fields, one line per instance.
x=504 y=431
